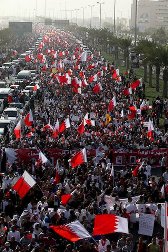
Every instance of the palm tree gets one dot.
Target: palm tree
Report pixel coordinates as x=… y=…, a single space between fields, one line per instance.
x=164 y=57
x=125 y=44
x=147 y=48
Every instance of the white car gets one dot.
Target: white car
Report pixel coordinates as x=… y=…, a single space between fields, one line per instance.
x=29 y=89
x=11 y=114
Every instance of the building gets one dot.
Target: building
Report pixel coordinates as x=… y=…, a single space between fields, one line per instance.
x=151 y=14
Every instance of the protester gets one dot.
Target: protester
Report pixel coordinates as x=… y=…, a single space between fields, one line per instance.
x=81 y=104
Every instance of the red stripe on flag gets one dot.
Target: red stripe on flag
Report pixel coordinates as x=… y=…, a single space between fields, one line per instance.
x=21 y=187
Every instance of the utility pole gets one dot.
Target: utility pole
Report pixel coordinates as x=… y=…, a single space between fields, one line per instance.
x=136 y=14
x=91 y=12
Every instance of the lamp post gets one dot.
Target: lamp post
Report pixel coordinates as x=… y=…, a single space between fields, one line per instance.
x=83 y=15
x=114 y=17
x=136 y=13
x=36 y=9
x=100 y=3
x=76 y=16
x=91 y=12
x=45 y=8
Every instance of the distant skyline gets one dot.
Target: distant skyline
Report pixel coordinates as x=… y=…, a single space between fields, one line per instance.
x=56 y=8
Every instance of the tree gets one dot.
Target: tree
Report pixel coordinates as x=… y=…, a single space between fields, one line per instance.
x=148 y=49
x=164 y=57
x=125 y=44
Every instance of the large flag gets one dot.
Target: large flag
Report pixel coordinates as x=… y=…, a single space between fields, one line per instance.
x=110 y=223
x=28 y=120
x=64 y=125
x=73 y=231
x=78 y=158
x=24 y=184
x=17 y=130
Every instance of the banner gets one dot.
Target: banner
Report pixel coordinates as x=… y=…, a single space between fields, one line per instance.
x=119 y=157
x=146 y=224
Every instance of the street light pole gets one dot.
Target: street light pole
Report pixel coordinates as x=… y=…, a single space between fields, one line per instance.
x=136 y=13
x=45 y=8
x=83 y=16
x=36 y=9
x=114 y=17
x=91 y=12
x=76 y=16
x=100 y=13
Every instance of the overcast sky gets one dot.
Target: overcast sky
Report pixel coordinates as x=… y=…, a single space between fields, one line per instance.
x=55 y=8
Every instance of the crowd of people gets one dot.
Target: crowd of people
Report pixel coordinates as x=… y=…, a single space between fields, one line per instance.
x=106 y=110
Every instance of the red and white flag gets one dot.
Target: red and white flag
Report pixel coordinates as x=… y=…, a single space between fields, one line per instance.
x=24 y=184
x=150 y=130
x=65 y=198
x=48 y=126
x=73 y=231
x=84 y=83
x=112 y=104
x=17 y=130
x=28 y=120
x=137 y=168
x=56 y=130
x=88 y=121
x=36 y=87
x=110 y=223
x=78 y=158
x=28 y=58
x=97 y=88
x=64 y=125
x=57 y=174
x=135 y=84
x=42 y=158
x=81 y=127
x=127 y=91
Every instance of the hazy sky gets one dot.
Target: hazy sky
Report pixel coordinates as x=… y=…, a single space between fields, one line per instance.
x=55 y=8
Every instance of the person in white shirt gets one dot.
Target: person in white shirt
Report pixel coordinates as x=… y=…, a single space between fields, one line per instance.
x=130 y=207
x=13 y=233
x=102 y=245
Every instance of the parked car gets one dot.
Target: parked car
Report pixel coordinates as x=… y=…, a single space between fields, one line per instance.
x=5 y=125
x=11 y=114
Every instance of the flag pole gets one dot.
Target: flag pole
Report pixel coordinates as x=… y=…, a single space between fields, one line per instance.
x=94 y=240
